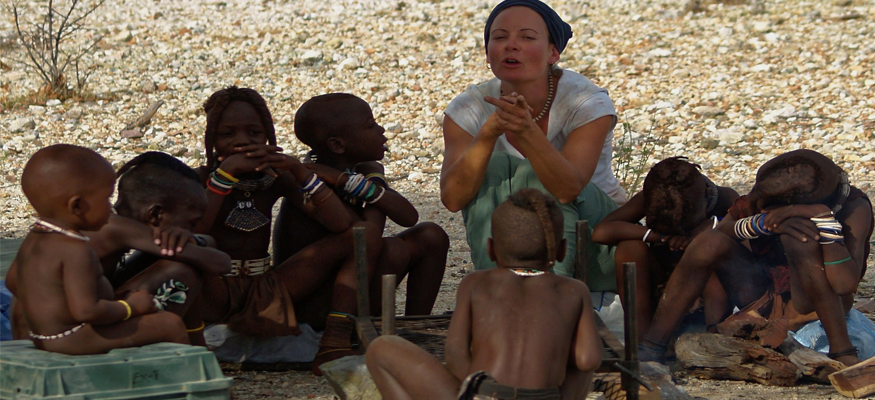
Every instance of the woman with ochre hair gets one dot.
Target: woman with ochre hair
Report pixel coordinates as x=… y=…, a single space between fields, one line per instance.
x=533 y=125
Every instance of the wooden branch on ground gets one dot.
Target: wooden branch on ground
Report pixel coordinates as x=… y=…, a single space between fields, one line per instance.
x=714 y=356
x=146 y=117
x=812 y=364
x=857 y=381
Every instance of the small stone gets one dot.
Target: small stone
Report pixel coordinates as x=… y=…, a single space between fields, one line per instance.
x=132 y=133
x=74 y=113
x=708 y=111
x=658 y=53
x=123 y=36
x=709 y=144
x=147 y=86
x=22 y=124
x=53 y=103
x=349 y=63
x=311 y=57
x=39 y=110
x=415 y=176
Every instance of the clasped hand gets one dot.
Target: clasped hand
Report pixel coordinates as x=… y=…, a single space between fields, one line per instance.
x=258 y=158
x=512 y=114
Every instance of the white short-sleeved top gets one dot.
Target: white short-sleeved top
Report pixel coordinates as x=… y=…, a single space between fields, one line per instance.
x=578 y=102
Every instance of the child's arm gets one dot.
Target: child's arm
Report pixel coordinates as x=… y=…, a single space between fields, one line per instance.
x=81 y=276
x=587 y=351
x=390 y=204
x=126 y=233
x=622 y=224
x=856 y=220
x=457 y=349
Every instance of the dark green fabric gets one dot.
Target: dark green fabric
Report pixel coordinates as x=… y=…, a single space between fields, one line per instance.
x=8 y=250
x=505 y=175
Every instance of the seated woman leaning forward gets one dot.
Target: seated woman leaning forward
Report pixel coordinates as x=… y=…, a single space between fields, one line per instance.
x=533 y=125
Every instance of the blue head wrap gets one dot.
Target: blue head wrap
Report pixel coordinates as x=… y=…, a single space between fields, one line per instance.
x=559 y=30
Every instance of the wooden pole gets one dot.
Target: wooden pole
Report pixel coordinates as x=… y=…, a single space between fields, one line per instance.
x=630 y=321
x=361 y=263
x=389 y=304
x=581 y=272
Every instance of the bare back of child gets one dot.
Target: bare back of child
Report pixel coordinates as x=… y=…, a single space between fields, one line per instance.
x=345 y=154
x=67 y=302
x=678 y=203
x=516 y=329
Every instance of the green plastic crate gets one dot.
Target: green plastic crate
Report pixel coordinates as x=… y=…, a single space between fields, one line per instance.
x=158 y=371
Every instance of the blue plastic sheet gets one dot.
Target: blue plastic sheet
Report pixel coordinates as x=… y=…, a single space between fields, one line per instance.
x=860 y=329
x=5 y=312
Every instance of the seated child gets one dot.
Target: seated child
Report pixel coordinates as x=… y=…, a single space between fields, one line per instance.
x=160 y=200
x=808 y=232
x=246 y=174
x=517 y=329
x=677 y=202
x=345 y=155
x=58 y=281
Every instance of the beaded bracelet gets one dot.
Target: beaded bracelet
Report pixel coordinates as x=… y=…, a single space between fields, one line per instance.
x=377 y=197
x=227 y=175
x=848 y=258
x=829 y=228
x=646 y=234
x=751 y=227
x=217 y=186
x=311 y=187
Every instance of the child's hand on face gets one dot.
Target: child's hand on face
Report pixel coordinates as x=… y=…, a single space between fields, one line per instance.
x=172 y=240
x=141 y=302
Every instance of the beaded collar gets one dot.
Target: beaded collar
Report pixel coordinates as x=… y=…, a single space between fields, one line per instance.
x=45 y=226
x=252 y=185
x=527 y=272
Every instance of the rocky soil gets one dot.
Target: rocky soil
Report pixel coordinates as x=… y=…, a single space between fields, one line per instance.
x=729 y=84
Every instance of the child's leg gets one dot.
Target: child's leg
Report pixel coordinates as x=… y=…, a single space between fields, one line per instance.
x=403 y=370
x=420 y=253
x=716 y=301
x=158 y=275
x=309 y=268
x=146 y=329
x=711 y=251
x=811 y=291
x=638 y=252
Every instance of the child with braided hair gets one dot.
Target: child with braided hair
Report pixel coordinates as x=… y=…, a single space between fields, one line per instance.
x=808 y=232
x=518 y=331
x=245 y=175
x=67 y=302
x=347 y=145
x=677 y=203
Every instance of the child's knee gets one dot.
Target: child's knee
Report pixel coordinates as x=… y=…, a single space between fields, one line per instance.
x=382 y=348
x=172 y=327
x=435 y=236
x=631 y=249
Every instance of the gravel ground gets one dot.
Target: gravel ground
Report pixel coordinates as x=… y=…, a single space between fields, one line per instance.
x=728 y=84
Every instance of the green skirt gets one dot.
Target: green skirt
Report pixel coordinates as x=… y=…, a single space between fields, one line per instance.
x=505 y=175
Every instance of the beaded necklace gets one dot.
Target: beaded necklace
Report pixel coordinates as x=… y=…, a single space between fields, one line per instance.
x=550 y=91
x=245 y=216
x=527 y=272
x=45 y=226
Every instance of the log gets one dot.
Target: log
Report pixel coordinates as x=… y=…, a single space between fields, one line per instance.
x=751 y=326
x=813 y=365
x=714 y=356
x=857 y=381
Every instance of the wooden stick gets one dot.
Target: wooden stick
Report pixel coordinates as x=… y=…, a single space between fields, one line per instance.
x=389 y=304
x=361 y=263
x=581 y=272
x=630 y=322
x=146 y=117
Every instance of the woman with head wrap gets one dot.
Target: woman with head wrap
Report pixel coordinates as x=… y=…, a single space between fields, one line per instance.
x=533 y=125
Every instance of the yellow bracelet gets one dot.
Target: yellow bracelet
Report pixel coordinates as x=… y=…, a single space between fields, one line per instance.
x=127 y=307
x=196 y=329
x=227 y=175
